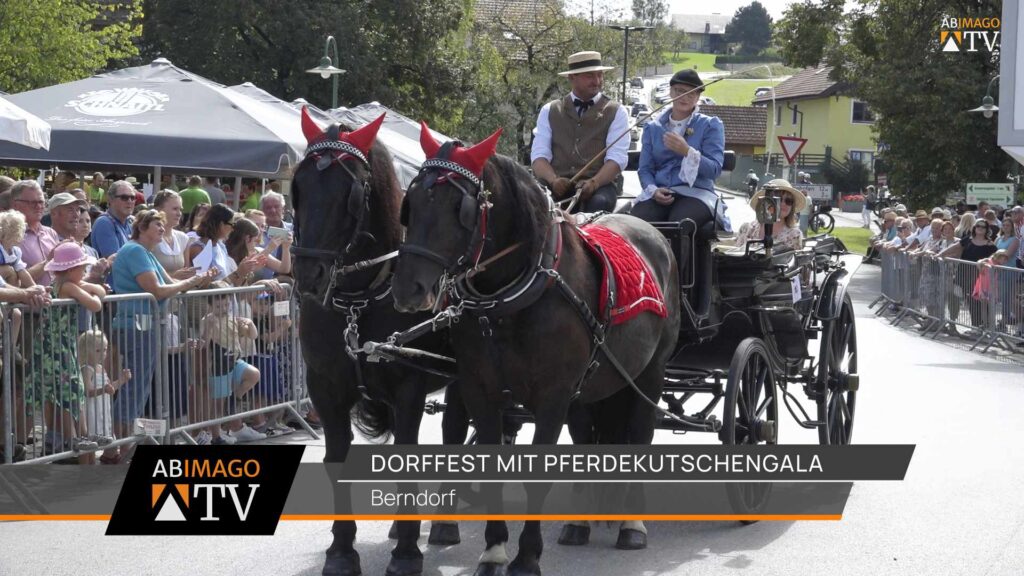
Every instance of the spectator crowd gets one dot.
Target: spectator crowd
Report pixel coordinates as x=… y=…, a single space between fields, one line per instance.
x=973 y=242
x=85 y=370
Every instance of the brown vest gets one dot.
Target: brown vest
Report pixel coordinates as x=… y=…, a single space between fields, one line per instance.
x=575 y=140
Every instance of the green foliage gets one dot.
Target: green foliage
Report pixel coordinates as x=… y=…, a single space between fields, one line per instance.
x=887 y=52
x=46 y=42
x=751 y=28
x=855 y=239
x=736 y=92
x=407 y=54
x=650 y=12
x=723 y=59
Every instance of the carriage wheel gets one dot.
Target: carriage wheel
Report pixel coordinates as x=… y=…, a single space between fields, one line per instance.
x=751 y=407
x=751 y=417
x=837 y=377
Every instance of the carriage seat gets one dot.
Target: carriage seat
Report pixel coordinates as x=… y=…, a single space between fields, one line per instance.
x=696 y=278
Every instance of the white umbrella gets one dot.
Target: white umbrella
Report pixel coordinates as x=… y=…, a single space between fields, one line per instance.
x=21 y=127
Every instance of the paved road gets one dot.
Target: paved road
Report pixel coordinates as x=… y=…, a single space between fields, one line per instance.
x=957 y=512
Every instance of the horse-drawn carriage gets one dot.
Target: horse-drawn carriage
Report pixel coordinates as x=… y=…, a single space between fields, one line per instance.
x=523 y=305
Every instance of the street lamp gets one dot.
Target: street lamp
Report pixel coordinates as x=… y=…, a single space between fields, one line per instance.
x=625 y=51
x=988 y=105
x=326 y=69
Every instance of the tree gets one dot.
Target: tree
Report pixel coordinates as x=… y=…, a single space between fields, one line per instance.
x=679 y=41
x=46 y=42
x=751 y=27
x=886 y=53
x=650 y=12
x=407 y=54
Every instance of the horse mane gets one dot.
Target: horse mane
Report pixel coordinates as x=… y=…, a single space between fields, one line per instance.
x=387 y=192
x=505 y=177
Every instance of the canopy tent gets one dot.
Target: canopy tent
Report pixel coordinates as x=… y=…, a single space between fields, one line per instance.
x=400 y=134
x=22 y=127
x=159 y=116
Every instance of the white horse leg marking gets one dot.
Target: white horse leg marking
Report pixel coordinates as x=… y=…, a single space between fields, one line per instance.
x=495 y=555
x=634 y=525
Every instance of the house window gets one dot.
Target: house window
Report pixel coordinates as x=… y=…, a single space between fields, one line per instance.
x=778 y=115
x=862 y=114
x=794 y=114
x=863 y=156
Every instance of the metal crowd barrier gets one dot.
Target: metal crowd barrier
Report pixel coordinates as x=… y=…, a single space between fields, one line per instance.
x=981 y=302
x=77 y=383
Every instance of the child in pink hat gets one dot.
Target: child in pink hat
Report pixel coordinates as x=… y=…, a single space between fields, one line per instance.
x=55 y=347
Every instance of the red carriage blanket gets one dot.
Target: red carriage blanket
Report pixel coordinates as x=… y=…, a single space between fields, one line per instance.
x=636 y=289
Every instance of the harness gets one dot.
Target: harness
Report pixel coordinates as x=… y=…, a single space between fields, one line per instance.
x=350 y=303
x=457 y=288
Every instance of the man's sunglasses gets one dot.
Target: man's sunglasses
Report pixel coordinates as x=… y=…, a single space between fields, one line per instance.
x=125 y=197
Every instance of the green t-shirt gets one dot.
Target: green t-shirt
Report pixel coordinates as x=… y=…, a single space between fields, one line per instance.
x=97 y=195
x=190 y=197
x=252 y=202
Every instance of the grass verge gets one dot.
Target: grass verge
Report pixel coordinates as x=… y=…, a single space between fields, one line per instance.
x=856 y=239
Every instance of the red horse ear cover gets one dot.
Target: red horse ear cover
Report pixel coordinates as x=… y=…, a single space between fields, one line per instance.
x=472 y=158
x=427 y=142
x=310 y=130
x=364 y=137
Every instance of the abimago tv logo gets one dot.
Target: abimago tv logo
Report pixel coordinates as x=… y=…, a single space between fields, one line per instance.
x=179 y=490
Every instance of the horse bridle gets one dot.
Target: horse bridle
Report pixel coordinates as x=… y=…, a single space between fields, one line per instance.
x=358 y=209
x=473 y=210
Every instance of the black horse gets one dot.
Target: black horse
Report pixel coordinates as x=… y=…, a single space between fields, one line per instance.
x=527 y=341
x=346 y=199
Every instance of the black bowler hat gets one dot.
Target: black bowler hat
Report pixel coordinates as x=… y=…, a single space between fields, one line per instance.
x=688 y=77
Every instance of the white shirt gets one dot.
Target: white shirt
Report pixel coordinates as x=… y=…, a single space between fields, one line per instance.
x=923 y=234
x=619 y=152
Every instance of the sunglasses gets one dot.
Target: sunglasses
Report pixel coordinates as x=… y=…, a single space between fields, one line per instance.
x=125 y=197
x=788 y=200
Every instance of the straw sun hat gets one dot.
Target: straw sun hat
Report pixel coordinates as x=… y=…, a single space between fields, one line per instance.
x=799 y=200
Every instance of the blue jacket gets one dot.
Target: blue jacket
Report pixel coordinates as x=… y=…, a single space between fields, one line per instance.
x=660 y=166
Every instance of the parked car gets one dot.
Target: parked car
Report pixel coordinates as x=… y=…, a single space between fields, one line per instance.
x=707 y=100
x=639 y=108
x=762 y=91
x=636 y=82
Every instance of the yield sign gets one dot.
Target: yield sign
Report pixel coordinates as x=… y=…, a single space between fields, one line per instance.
x=791 y=146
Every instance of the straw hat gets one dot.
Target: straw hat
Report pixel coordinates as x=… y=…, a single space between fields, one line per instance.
x=581 y=62
x=799 y=200
x=67 y=256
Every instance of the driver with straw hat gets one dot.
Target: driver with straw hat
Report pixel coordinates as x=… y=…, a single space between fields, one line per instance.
x=576 y=128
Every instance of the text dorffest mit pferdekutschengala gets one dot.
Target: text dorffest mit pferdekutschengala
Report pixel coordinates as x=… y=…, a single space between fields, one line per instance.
x=685 y=463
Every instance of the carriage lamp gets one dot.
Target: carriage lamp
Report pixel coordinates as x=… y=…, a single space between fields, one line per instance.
x=988 y=104
x=326 y=69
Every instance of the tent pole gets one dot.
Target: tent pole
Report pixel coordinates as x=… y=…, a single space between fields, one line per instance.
x=157 y=178
x=236 y=202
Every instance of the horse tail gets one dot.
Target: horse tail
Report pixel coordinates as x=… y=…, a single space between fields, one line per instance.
x=374 y=419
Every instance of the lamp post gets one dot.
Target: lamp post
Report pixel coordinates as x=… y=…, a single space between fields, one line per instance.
x=326 y=69
x=988 y=104
x=625 y=51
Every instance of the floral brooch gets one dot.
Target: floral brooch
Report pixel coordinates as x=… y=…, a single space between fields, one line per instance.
x=689 y=131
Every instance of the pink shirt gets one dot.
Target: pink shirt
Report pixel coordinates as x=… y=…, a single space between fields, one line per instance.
x=37 y=246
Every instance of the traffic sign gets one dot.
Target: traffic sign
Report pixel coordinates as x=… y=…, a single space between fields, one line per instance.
x=791 y=147
x=998 y=193
x=816 y=191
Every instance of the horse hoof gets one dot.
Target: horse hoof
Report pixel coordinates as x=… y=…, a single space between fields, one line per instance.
x=631 y=540
x=517 y=568
x=573 y=535
x=342 y=564
x=405 y=567
x=444 y=534
x=393 y=531
x=490 y=569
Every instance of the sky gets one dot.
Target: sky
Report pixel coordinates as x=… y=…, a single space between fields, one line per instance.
x=728 y=7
